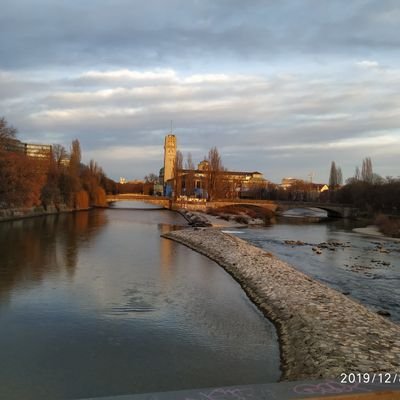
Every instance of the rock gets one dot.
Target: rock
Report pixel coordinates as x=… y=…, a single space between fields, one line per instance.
x=321 y=331
x=384 y=313
x=294 y=242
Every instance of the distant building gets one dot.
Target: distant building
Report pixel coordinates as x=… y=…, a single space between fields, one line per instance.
x=38 y=151
x=288 y=183
x=41 y=153
x=195 y=183
x=122 y=181
x=301 y=190
x=231 y=184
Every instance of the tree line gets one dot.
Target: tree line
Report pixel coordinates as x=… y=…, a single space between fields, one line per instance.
x=369 y=191
x=55 y=178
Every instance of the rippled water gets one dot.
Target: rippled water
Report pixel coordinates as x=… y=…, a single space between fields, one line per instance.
x=96 y=303
x=363 y=267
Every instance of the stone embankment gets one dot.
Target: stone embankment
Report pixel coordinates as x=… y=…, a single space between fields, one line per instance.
x=322 y=332
x=201 y=219
x=194 y=219
x=11 y=214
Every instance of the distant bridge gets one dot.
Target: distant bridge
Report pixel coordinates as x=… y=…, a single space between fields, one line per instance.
x=333 y=210
x=278 y=207
x=159 y=200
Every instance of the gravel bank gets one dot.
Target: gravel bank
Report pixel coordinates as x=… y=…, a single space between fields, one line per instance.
x=372 y=230
x=322 y=332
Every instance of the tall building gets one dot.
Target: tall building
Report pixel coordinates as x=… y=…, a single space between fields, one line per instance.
x=169 y=157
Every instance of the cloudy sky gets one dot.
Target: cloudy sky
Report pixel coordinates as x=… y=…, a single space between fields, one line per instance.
x=283 y=87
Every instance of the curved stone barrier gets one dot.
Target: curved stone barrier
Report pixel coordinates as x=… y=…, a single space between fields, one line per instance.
x=322 y=333
x=194 y=218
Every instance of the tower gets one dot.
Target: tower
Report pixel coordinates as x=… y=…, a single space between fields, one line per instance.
x=169 y=156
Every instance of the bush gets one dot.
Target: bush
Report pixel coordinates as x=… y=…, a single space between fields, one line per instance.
x=81 y=200
x=388 y=226
x=241 y=219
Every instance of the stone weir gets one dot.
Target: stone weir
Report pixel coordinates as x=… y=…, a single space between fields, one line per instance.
x=322 y=332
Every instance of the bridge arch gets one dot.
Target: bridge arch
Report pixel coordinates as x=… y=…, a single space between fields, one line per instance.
x=160 y=201
x=278 y=206
x=330 y=213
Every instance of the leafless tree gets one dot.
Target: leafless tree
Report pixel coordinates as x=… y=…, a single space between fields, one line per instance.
x=7 y=132
x=178 y=164
x=333 y=177
x=366 y=170
x=357 y=175
x=74 y=166
x=339 y=176
x=151 y=178
x=60 y=155
x=214 y=173
x=189 y=181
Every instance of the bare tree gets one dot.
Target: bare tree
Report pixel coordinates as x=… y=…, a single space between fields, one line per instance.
x=74 y=169
x=333 y=177
x=189 y=181
x=189 y=162
x=215 y=173
x=357 y=175
x=151 y=178
x=339 y=176
x=60 y=155
x=178 y=163
x=7 y=132
x=366 y=170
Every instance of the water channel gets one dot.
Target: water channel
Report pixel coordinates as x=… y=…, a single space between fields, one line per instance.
x=97 y=304
x=364 y=267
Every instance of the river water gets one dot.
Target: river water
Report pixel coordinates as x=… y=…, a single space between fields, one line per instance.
x=363 y=267
x=97 y=304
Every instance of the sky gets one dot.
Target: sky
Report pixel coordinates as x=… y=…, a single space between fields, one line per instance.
x=280 y=87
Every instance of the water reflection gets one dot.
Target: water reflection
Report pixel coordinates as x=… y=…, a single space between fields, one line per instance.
x=99 y=304
x=32 y=248
x=134 y=204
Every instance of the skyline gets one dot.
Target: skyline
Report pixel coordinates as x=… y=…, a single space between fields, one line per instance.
x=283 y=89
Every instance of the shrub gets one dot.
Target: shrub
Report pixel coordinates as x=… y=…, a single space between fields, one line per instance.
x=241 y=219
x=388 y=226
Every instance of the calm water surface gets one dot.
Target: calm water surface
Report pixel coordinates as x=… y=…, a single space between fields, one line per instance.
x=96 y=303
x=364 y=267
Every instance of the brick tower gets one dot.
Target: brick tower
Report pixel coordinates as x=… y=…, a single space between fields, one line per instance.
x=169 y=156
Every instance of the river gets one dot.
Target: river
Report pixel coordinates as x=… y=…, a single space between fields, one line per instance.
x=97 y=304
x=363 y=267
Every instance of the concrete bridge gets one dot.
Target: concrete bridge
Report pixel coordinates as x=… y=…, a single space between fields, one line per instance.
x=276 y=206
x=158 y=200
x=279 y=207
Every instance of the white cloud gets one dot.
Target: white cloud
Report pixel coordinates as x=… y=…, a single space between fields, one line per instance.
x=284 y=114
x=367 y=64
x=378 y=141
x=127 y=75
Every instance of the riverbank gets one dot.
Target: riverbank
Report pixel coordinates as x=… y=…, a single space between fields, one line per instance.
x=322 y=332
x=12 y=214
x=373 y=230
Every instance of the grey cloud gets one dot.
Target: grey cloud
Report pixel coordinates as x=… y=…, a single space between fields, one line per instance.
x=296 y=118
x=300 y=75
x=183 y=32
